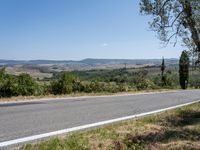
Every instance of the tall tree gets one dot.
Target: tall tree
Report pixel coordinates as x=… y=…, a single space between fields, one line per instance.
x=184 y=70
x=173 y=19
x=162 y=68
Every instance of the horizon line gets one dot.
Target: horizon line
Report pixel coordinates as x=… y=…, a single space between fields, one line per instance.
x=85 y=59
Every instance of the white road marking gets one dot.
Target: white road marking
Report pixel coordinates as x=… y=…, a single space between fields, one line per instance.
x=64 y=131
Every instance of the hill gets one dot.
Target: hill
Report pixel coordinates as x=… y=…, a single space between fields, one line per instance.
x=90 y=61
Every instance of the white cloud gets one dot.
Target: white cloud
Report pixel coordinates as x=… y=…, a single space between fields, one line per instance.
x=104 y=45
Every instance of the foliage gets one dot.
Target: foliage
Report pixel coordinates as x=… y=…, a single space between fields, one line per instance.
x=11 y=85
x=162 y=68
x=26 y=85
x=184 y=70
x=171 y=79
x=142 y=84
x=93 y=81
x=173 y=19
x=64 y=84
x=194 y=80
x=8 y=85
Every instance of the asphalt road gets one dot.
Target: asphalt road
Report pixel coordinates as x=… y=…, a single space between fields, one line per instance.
x=22 y=119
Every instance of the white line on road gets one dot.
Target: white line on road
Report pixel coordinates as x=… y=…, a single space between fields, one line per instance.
x=59 y=132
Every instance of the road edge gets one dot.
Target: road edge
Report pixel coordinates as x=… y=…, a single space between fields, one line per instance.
x=88 y=97
x=78 y=128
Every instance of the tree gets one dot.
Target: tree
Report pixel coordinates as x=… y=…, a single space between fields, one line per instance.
x=184 y=70
x=2 y=72
x=173 y=19
x=64 y=84
x=162 y=68
x=26 y=85
x=8 y=84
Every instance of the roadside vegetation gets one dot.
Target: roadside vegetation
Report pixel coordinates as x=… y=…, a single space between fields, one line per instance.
x=100 y=81
x=171 y=130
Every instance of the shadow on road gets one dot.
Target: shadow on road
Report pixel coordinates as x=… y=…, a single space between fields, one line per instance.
x=20 y=104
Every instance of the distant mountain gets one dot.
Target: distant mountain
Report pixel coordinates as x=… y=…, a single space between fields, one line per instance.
x=91 y=61
x=33 y=62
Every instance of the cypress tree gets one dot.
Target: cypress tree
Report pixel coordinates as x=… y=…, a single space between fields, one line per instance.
x=162 y=68
x=184 y=70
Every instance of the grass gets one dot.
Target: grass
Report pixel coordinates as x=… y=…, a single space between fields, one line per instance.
x=44 y=97
x=171 y=130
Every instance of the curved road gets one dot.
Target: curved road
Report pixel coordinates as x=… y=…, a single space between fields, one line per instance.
x=24 y=119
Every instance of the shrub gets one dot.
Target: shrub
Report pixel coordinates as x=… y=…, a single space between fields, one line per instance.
x=26 y=85
x=194 y=81
x=123 y=88
x=171 y=79
x=78 y=86
x=142 y=84
x=8 y=86
x=64 y=84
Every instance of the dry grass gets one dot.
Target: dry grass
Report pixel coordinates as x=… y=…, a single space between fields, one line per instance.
x=176 y=129
x=34 y=73
x=48 y=97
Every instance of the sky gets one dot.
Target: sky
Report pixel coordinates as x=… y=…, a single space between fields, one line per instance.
x=78 y=29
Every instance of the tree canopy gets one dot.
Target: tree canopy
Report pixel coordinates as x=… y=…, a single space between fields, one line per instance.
x=163 y=70
x=173 y=19
x=184 y=70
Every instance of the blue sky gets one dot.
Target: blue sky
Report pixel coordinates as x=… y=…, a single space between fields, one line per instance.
x=77 y=29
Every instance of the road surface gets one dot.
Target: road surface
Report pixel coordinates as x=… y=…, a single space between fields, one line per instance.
x=24 y=119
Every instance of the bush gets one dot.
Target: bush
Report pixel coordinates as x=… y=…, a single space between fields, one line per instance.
x=141 y=84
x=151 y=85
x=27 y=86
x=45 y=89
x=194 y=81
x=123 y=88
x=157 y=80
x=93 y=86
x=78 y=86
x=11 y=85
x=8 y=86
x=170 y=79
x=64 y=84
